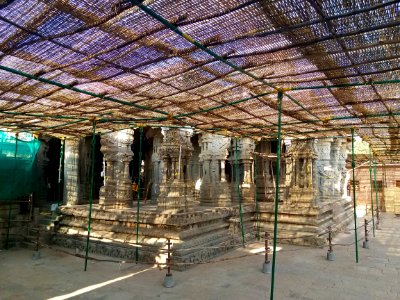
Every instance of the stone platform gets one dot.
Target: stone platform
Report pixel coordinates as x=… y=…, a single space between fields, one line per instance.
x=303 y=224
x=196 y=236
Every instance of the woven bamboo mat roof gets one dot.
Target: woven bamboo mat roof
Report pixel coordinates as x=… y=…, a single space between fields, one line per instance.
x=65 y=63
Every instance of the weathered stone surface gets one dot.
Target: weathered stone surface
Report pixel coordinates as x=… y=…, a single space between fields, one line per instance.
x=176 y=191
x=116 y=148
x=312 y=195
x=214 y=190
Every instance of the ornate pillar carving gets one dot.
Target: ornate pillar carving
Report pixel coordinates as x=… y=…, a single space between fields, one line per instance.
x=245 y=159
x=344 y=175
x=71 y=172
x=324 y=169
x=116 y=148
x=301 y=159
x=176 y=193
x=335 y=151
x=158 y=174
x=214 y=190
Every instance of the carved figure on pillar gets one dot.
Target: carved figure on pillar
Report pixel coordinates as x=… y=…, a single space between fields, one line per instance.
x=116 y=148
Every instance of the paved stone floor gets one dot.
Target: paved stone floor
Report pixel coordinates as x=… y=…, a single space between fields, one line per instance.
x=301 y=273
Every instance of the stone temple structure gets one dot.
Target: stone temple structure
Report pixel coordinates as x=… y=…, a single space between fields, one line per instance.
x=206 y=192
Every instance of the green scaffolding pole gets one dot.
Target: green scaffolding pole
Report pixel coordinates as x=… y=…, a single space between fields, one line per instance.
x=138 y=196
x=91 y=193
x=238 y=189
x=353 y=165
x=256 y=199
x=372 y=198
x=277 y=175
x=60 y=170
x=377 y=198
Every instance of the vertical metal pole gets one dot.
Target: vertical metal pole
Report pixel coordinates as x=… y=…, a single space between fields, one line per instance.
x=370 y=188
x=91 y=193
x=266 y=248
x=138 y=196
x=330 y=238
x=277 y=175
x=353 y=165
x=169 y=259
x=60 y=171
x=238 y=190
x=256 y=198
x=376 y=195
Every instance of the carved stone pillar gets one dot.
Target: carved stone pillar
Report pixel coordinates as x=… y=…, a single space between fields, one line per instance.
x=116 y=148
x=158 y=174
x=223 y=177
x=247 y=178
x=324 y=169
x=245 y=157
x=214 y=190
x=176 y=194
x=71 y=172
x=335 y=151
x=301 y=189
x=344 y=175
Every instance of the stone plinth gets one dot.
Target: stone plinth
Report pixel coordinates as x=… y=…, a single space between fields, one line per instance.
x=197 y=236
x=176 y=196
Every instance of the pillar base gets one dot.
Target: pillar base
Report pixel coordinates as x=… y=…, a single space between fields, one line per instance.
x=366 y=244
x=267 y=268
x=36 y=255
x=330 y=256
x=169 y=281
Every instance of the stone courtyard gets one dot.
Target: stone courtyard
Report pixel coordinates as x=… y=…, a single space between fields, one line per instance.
x=302 y=273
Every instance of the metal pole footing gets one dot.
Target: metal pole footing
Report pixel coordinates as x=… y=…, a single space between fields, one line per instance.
x=169 y=281
x=36 y=255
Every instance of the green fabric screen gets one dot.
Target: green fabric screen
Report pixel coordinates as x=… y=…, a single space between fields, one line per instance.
x=18 y=170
